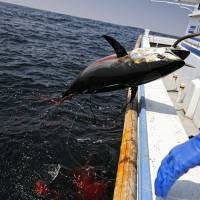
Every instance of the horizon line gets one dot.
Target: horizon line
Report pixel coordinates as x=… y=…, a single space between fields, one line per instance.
x=126 y=25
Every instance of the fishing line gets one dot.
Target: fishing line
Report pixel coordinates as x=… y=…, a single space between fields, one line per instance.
x=94 y=117
x=70 y=135
x=71 y=127
x=95 y=120
x=103 y=177
x=37 y=174
x=123 y=109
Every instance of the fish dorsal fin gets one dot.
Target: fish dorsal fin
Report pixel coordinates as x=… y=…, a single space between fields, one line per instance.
x=119 y=49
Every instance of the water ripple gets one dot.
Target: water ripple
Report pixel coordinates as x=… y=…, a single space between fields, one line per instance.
x=40 y=54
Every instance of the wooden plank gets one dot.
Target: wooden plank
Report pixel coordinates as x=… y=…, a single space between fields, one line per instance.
x=126 y=180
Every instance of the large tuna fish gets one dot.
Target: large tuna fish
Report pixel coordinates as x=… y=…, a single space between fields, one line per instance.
x=123 y=69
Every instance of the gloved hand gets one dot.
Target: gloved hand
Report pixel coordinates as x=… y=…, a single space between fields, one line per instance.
x=179 y=160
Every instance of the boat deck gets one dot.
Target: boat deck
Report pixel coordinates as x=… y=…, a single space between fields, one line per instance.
x=187 y=123
x=165 y=130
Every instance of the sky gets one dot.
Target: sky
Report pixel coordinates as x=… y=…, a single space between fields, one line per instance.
x=159 y=17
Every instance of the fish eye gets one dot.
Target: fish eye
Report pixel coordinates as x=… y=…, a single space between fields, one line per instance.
x=160 y=56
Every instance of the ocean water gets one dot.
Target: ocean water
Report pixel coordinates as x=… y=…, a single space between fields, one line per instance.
x=40 y=54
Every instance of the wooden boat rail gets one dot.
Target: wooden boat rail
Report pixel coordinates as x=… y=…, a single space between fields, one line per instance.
x=126 y=179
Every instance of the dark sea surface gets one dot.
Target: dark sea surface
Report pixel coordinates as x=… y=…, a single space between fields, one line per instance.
x=40 y=54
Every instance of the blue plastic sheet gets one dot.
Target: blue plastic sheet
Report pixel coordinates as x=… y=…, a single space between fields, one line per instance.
x=179 y=160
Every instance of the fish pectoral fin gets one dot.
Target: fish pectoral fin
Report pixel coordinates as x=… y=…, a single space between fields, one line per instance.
x=119 y=49
x=188 y=65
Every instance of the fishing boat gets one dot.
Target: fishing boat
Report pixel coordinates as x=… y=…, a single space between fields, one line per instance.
x=165 y=114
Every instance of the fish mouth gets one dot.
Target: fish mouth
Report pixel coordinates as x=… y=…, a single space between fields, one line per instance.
x=171 y=67
x=183 y=54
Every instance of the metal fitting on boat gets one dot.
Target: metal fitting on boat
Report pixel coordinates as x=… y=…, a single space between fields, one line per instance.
x=174 y=82
x=180 y=93
x=175 y=76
